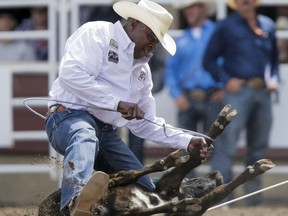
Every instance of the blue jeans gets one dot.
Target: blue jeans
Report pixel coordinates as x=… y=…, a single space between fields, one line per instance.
x=201 y=112
x=88 y=145
x=254 y=115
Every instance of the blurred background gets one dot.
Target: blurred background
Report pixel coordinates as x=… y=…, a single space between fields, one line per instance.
x=29 y=168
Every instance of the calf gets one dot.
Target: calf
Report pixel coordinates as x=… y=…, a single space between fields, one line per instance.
x=174 y=195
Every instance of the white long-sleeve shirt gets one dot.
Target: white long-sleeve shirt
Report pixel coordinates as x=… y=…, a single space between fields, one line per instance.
x=98 y=70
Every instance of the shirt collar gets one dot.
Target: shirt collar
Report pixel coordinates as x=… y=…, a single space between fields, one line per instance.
x=238 y=17
x=125 y=40
x=241 y=18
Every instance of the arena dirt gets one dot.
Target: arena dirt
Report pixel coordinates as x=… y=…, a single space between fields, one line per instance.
x=275 y=204
x=259 y=211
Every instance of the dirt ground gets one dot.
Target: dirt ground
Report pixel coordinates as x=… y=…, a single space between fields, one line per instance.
x=264 y=211
x=240 y=211
x=16 y=200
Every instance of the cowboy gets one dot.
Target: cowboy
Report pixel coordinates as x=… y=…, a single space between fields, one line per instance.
x=247 y=43
x=104 y=83
x=198 y=97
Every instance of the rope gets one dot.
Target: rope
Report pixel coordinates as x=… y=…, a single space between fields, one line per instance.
x=248 y=195
x=194 y=133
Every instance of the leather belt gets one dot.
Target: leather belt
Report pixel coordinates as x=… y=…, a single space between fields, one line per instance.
x=56 y=108
x=59 y=108
x=197 y=94
x=255 y=83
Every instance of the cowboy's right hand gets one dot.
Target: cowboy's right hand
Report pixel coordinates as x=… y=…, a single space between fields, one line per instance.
x=199 y=145
x=130 y=110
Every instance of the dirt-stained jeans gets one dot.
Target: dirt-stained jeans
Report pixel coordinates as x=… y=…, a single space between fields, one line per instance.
x=87 y=145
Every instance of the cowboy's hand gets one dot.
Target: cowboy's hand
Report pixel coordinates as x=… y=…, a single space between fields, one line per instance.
x=130 y=110
x=198 y=144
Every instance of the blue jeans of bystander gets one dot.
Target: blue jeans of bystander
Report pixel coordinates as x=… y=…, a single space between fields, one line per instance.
x=254 y=115
x=202 y=113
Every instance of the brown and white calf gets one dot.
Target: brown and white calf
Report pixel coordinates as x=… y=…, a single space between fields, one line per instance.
x=174 y=195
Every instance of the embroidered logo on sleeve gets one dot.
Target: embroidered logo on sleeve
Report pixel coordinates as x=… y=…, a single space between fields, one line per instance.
x=142 y=76
x=113 y=44
x=113 y=56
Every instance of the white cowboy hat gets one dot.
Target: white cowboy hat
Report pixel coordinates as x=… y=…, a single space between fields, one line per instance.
x=210 y=4
x=232 y=4
x=153 y=15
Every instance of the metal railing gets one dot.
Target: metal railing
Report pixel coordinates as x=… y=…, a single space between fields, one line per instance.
x=8 y=136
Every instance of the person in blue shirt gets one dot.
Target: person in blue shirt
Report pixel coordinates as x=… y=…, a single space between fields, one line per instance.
x=197 y=95
x=37 y=21
x=247 y=43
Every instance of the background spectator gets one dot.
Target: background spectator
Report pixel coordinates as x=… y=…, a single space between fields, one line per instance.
x=197 y=96
x=12 y=50
x=247 y=43
x=38 y=20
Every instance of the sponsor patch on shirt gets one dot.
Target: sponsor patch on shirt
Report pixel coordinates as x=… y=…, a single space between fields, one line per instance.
x=113 y=56
x=142 y=76
x=113 y=44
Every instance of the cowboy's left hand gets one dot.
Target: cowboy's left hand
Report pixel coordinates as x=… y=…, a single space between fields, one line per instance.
x=199 y=144
x=130 y=110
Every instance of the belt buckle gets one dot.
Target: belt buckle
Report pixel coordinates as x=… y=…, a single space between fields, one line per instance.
x=53 y=108
x=56 y=108
x=198 y=94
x=255 y=83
